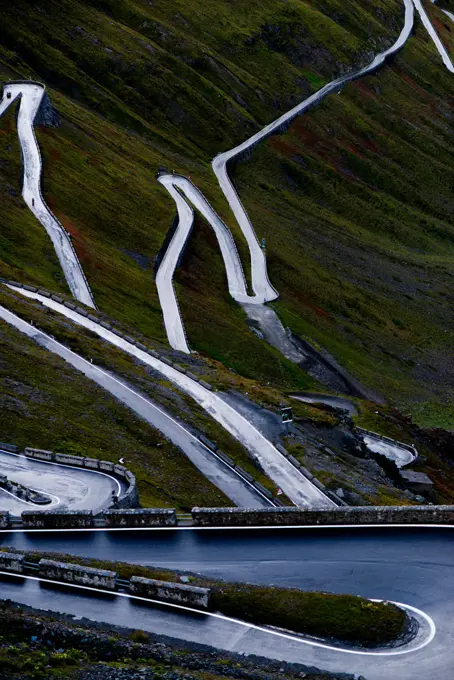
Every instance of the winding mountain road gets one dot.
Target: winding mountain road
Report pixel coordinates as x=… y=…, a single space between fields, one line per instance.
x=400 y=455
x=30 y=96
x=298 y=488
x=239 y=490
x=413 y=566
x=185 y=195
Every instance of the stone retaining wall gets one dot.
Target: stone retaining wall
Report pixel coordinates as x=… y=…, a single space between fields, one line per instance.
x=75 y=573
x=170 y=592
x=212 y=517
x=417 y=514
x=12 y=562
x=57 y=519
x=147 y=517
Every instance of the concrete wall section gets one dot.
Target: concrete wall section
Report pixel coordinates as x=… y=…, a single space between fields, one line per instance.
x=75 y=573
x=66 y=459
x=11 y=448
x=441 y=514
x=12 y=562
x=170 y=592
x=119 y=470
x=129 y=500
x=40 y=454
x=147 y=517
x=57 y=520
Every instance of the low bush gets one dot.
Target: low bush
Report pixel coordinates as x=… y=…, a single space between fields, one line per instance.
x=345 y=617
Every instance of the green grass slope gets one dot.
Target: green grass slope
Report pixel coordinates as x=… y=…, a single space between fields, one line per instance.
x=353 y=200
x=364 y=255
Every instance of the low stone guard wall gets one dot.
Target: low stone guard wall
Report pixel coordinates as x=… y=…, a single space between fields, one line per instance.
x=57 y=519
x=75 y=573
x=12 y=562
x=11 y=448
x=147 y=517
x=168 y=591
x=83 y=519
x=39 y=454
x=234 y=517
x=416 y=514
x=66 y=572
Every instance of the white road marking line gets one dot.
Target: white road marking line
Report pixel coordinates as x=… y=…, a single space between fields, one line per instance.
x=35 y=505
x=268 y=527
x=268 y=631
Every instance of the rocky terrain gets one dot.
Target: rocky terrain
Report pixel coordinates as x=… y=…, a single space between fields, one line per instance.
x=40 y=645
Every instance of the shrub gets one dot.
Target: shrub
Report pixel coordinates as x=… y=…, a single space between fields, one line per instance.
x=140 y=636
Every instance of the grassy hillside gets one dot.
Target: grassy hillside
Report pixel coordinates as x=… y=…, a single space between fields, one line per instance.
x=354 y=200
x=362 y=189
x=45 y=403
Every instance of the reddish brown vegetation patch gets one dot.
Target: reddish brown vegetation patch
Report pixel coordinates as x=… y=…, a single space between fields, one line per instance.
x=76 y=238
x=371 y=146
x=414 y=86
x=364 y=88
x=353 y=150
x=302 y=127
x=283 y=147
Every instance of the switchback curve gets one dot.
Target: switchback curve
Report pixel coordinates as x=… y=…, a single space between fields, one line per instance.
x=30 y=96
x=186 y=195
x=412 y=565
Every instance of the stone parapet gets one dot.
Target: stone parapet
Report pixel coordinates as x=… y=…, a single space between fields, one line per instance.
x=12 y=562
x=75 y=573
x=147 y=517
x=57 y=519
x=416 y=514
x=168 y=591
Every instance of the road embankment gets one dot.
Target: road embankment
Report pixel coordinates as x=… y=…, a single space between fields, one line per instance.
x=342 y=619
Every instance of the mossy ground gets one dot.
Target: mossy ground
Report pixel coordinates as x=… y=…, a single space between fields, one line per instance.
x=31 y=644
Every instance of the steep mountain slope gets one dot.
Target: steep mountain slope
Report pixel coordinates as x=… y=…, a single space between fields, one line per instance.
x=354 y=200
x=362 y=188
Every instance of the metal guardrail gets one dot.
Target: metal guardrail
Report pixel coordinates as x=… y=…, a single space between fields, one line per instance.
x=382 y=437
x=31 y=566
